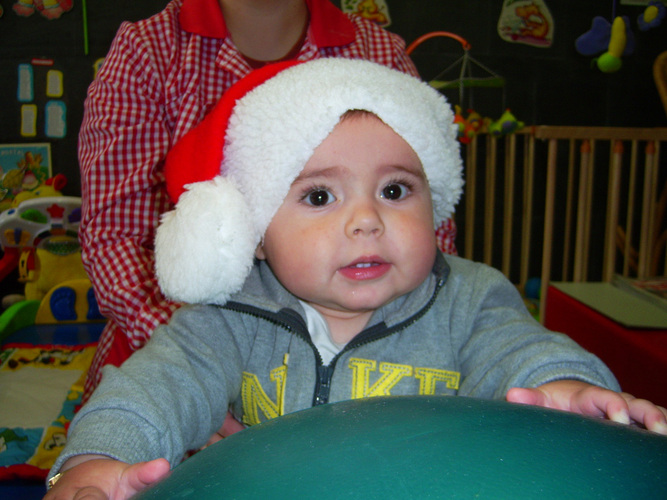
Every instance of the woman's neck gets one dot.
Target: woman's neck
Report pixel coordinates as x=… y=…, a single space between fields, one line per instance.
x=265 y=30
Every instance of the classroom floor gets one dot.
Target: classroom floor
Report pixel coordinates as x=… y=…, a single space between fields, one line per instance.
x=71 y=334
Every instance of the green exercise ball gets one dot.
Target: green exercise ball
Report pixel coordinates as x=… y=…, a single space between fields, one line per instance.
x=425 y=447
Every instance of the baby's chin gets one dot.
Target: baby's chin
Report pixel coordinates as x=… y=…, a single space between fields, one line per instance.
x=341 y=311
x=358 y=303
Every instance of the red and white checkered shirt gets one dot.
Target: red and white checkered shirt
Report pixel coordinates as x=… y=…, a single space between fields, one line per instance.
x=160 y=77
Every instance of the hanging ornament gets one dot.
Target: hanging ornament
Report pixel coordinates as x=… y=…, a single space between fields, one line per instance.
x=610 y=39
x=373 y=10
x=50 y=9
x=465 y=78
x=653 y=16
x=526 y=21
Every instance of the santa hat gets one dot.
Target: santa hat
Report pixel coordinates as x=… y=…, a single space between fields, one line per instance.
x=229 y=175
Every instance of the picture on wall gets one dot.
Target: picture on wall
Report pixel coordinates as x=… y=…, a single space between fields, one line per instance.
x=23 y=167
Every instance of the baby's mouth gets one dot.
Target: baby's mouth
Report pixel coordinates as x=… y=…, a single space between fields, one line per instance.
x=366 y=268
x=367 y=261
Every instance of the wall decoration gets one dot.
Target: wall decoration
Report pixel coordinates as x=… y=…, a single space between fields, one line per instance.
x=84 y=18
x=55 y=119
x=50 y=9
x=54 y=83
x=23 y=167
x=526 y=21
x=97 y=65
x=374 y=10
x=41 y=90
x=28 y=120
x=25 y=91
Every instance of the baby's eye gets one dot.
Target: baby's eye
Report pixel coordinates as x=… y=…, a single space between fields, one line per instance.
x=319 y=197
x=395 y=191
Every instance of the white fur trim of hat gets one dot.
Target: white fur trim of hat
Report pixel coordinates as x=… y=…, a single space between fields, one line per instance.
x=229 y=175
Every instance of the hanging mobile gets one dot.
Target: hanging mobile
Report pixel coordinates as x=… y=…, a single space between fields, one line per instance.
x=465 y=79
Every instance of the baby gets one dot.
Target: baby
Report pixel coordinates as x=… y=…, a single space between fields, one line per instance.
x=304 y=229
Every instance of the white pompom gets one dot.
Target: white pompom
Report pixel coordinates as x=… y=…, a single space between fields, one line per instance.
x=205 y=247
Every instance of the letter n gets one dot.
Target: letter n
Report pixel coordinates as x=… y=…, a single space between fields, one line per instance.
x=256 y=400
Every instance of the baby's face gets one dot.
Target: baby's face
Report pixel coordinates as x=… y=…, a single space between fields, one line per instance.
x=356 y=228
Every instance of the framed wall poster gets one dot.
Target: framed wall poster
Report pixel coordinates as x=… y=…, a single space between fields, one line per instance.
x=373 y=10
x=23 y=167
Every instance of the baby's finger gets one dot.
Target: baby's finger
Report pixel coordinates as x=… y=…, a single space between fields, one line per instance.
x=597 y=402
x=139 y=476
x=648 y=415
x=526 y=396
x=90 y=493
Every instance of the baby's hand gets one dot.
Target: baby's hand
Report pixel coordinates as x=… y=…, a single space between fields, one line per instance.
x=580 y=397
x=107 y=479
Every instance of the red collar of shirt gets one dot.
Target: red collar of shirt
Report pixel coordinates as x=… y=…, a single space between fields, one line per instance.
x=329 y=27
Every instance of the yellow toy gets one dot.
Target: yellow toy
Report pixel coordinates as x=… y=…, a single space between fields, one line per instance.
x=653 y=16
x=610 y=61
x=50 y=187
x=476 y=122
x=612 y=40
x=70 y=301
x=506 y=124
x=39 y=234
x=465 y=131
x=50 y=268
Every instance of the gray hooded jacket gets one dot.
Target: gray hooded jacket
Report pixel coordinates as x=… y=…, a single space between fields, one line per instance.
x=464 y=331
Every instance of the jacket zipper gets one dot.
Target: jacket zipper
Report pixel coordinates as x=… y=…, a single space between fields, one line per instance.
x=324 y=374
x=323 y=385
x=292 y=322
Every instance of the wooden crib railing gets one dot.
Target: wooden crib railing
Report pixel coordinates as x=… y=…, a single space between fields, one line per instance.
x=566 y=203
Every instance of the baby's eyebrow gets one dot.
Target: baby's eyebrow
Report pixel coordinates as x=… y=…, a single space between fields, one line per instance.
x=418 y=172
x=324 y=172
x=334 y=171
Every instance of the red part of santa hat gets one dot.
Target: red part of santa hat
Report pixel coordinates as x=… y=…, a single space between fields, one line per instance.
x=208 y=138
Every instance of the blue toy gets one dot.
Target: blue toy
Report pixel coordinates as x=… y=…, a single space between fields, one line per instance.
x=532 y=288
x=653 y=16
